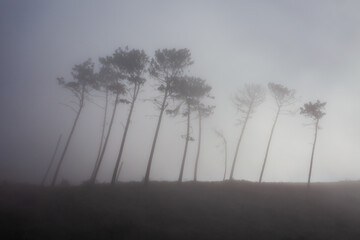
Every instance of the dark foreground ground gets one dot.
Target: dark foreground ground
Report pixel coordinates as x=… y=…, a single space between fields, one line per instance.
x=239 y=210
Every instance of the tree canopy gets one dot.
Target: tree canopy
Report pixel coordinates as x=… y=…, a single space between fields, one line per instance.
x=314 y=110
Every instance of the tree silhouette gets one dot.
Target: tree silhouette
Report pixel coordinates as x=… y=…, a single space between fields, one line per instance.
x=224 y=143
x=116 y=87
x=283 y=98
x=315 y=111
x=132 y=64
x=105 y=80
x=203 y=111
x=189 y=91
x=84 y=81
x=165 y=67
x=51 y=161
x=245 y=101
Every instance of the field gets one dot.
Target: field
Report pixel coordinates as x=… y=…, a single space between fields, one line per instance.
x=228 y=210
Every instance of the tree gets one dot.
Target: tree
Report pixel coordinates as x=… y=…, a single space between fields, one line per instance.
x=189 y=91
x=315 y=111
x=105 y=79
x=132 y=64
x=51 y=161
x=283 y=97
x=203 y=111
x=246 y=100
x=165 y=67
x=84 y=82
x=223 y=139
x=116 y=87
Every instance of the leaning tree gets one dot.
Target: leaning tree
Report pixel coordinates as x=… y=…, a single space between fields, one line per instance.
x=51 y=161
x=116 y=87
x=166 y=66
x=202 y=111
x=283 y=97
x=189 y=91
x=220 y=135
x=133 y=65
x=246 y=100
x=105 y=78
x=83 y=83
x=315 y=111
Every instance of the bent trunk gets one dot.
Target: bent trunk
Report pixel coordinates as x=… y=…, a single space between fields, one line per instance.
x=238 y=144
x=268 y=146
x=116 y=172
x=313 y=150
x=68 y=140
x=102 y=135
x=51 y=161
x=225 y=145
x=186 y=145
x=106 y=140
x=147 y=175
x=198 y=150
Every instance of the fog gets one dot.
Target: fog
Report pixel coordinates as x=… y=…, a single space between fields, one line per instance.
x=310 y=46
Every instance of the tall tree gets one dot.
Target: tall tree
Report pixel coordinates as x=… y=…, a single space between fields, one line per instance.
x=133 y=65
x=203 y=111
x=105 y=79
x=246 y=100
x=189 y=91
x=84 y=82
x=283 y=97
x=224 y=143
x=315 y=111
x=166 y=66
x=115 y=86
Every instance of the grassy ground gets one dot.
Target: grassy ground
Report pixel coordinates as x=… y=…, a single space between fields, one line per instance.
x=238 y=210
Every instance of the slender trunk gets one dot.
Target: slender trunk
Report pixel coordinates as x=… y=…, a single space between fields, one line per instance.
x=186 y=145
x=51 y=161
x=313 y=150
x=147 y=175
x=118 y=173
x=198 y=150
x=106 y=140
x=238 y=144
x=102 y=133
x=225 y=144
x=268 y=146
x=115 y=172
x=68 y=140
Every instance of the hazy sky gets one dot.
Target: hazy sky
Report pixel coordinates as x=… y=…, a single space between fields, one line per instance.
x=310 y=46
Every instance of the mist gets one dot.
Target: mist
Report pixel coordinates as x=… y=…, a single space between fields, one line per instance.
x=311 y=47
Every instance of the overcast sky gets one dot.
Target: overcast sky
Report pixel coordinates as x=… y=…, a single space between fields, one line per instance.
x=310 y=46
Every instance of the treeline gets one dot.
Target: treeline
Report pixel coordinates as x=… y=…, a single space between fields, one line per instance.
x=120 y=79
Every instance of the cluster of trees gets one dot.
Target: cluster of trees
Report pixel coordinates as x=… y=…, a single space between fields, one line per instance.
x=120 y=79
x=251 y=96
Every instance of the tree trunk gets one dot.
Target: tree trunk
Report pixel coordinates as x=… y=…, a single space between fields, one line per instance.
x=67 y=142
x=268 y=146
x=147 y=175
x=102 y=134
x=51 y=161
x=106 y=140
x=118 y=173
x=238 y=144
x=225 y=144
x=115 y=172
x=186 y=145
x=198 y=150
x=313 y=150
